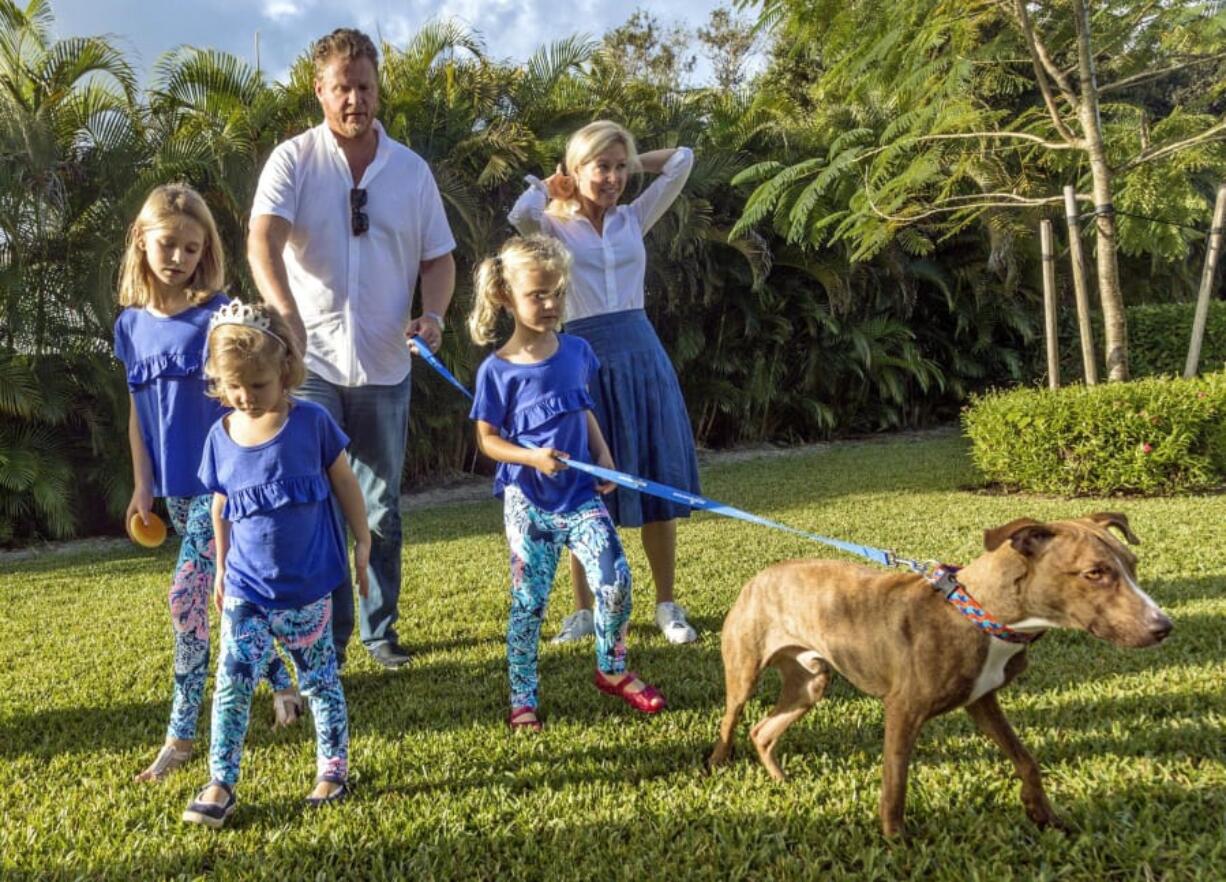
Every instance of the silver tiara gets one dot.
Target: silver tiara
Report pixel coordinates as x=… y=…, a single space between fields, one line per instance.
x=238 y=313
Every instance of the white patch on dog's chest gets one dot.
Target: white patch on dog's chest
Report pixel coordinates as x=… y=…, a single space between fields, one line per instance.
x=810 y=660
x=992 y=675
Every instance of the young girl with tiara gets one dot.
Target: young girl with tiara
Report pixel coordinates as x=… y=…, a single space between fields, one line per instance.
x=533 y=411
x=273 y=465
x=172 y=271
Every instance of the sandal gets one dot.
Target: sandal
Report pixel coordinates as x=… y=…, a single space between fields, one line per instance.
x=286 y=708
x=168 y=759
x=210 y=814
x=337 y=795
x=648 y=700
x=515 y=719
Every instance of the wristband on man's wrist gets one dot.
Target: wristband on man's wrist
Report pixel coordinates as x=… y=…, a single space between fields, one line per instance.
x=436 y=318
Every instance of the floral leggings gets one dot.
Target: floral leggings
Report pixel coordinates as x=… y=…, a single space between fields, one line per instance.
x=191 y=591
x=247 y=633
x=536 y=538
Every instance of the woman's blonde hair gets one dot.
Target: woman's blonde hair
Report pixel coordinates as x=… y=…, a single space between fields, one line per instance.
x=237 y=349
x=584 y=146
x=163 y=204
x=491 y=281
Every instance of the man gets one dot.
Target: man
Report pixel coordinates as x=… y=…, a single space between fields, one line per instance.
x=345 y=223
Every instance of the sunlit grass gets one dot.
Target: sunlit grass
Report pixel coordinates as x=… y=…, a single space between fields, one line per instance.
x=1132 y=742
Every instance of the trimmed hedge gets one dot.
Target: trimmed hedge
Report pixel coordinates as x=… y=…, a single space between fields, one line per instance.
x=1152 y=436
x=1158 y=335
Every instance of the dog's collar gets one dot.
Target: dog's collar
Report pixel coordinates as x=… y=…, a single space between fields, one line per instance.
x=944 y=579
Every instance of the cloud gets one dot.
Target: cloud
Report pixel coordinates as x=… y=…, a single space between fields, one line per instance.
x=277 y=10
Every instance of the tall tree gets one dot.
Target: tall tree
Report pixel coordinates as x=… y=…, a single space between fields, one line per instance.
x=729 y=42
x=953 y=112
x=67 y=127
x=646 y=49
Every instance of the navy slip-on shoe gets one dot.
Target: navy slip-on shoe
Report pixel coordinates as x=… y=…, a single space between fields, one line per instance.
x=337 y=795
x=210 y=814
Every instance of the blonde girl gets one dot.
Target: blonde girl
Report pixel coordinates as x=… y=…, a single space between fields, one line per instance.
x=273 y=465
x=637 y=399
x=532 y=410
x=170 y=284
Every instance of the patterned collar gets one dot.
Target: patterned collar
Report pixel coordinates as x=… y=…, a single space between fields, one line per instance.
x=944 y=579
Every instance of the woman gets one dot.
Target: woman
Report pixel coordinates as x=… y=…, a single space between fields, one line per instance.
x=638 y=399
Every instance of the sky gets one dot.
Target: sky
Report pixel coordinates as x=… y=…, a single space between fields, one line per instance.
x=511 y=28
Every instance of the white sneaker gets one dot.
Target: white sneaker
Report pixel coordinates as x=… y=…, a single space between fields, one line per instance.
x=286 y=708
x=670 y=619
x=576 y=626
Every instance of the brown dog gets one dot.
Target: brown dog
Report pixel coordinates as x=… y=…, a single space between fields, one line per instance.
x=892 y=635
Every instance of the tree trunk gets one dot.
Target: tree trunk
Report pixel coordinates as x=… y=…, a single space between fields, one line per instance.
x=1109 y=291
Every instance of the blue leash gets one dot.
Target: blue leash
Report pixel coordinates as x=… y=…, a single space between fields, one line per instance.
x=942 y=577
x=630 y=482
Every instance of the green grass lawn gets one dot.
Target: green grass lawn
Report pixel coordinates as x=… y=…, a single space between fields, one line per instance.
x=1132 y=742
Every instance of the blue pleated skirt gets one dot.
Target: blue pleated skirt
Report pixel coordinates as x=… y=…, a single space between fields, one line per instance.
x=641 y=413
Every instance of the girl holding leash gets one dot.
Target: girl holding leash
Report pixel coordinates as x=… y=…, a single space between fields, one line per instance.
x=637 y=399
x=533 y=410
x=172 y=271
x=273 y=465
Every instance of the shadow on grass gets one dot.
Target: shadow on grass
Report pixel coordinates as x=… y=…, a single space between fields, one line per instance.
x=127 y=562
x=1172 y=591
x=439 y=693
x=452 y=522
x=950 y=836
x=566 y=767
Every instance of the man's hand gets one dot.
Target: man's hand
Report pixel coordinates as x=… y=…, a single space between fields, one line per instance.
x=426 y=327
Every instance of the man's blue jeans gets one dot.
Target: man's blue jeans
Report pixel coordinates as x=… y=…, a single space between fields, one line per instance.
x=376 y=419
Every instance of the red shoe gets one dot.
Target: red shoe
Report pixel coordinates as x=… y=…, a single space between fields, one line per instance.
x=515 y=719
x=647 y=700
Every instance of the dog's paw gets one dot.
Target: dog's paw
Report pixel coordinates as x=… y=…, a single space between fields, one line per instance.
x=718 y=757
x=1045 y=818
x=894 y=831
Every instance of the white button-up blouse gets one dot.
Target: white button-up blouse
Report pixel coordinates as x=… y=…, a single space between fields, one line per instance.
x=608 y=270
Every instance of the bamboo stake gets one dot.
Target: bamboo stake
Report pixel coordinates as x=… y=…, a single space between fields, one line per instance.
x=1046 y=239
x=1206 y=284
x=1077 y=259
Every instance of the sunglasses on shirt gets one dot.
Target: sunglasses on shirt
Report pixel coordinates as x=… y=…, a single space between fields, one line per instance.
x=359 y=221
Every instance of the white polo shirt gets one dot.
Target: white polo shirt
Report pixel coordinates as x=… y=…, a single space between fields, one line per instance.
x=354 y=292
x=609 y=267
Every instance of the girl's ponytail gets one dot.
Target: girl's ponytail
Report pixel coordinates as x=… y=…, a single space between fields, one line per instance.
x=492 y=291
x=489 y=295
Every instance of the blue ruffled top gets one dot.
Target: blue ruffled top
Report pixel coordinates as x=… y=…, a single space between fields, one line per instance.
x=163 y=359
x=287 y=546
x=543 y=405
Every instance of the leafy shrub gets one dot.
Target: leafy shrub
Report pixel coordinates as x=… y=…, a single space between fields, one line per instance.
x=1151 y=436
x=1158 y=335
x=63 y=461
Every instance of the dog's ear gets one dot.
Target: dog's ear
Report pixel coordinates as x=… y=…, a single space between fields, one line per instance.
x=1025 y=534
x=1117 y=520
